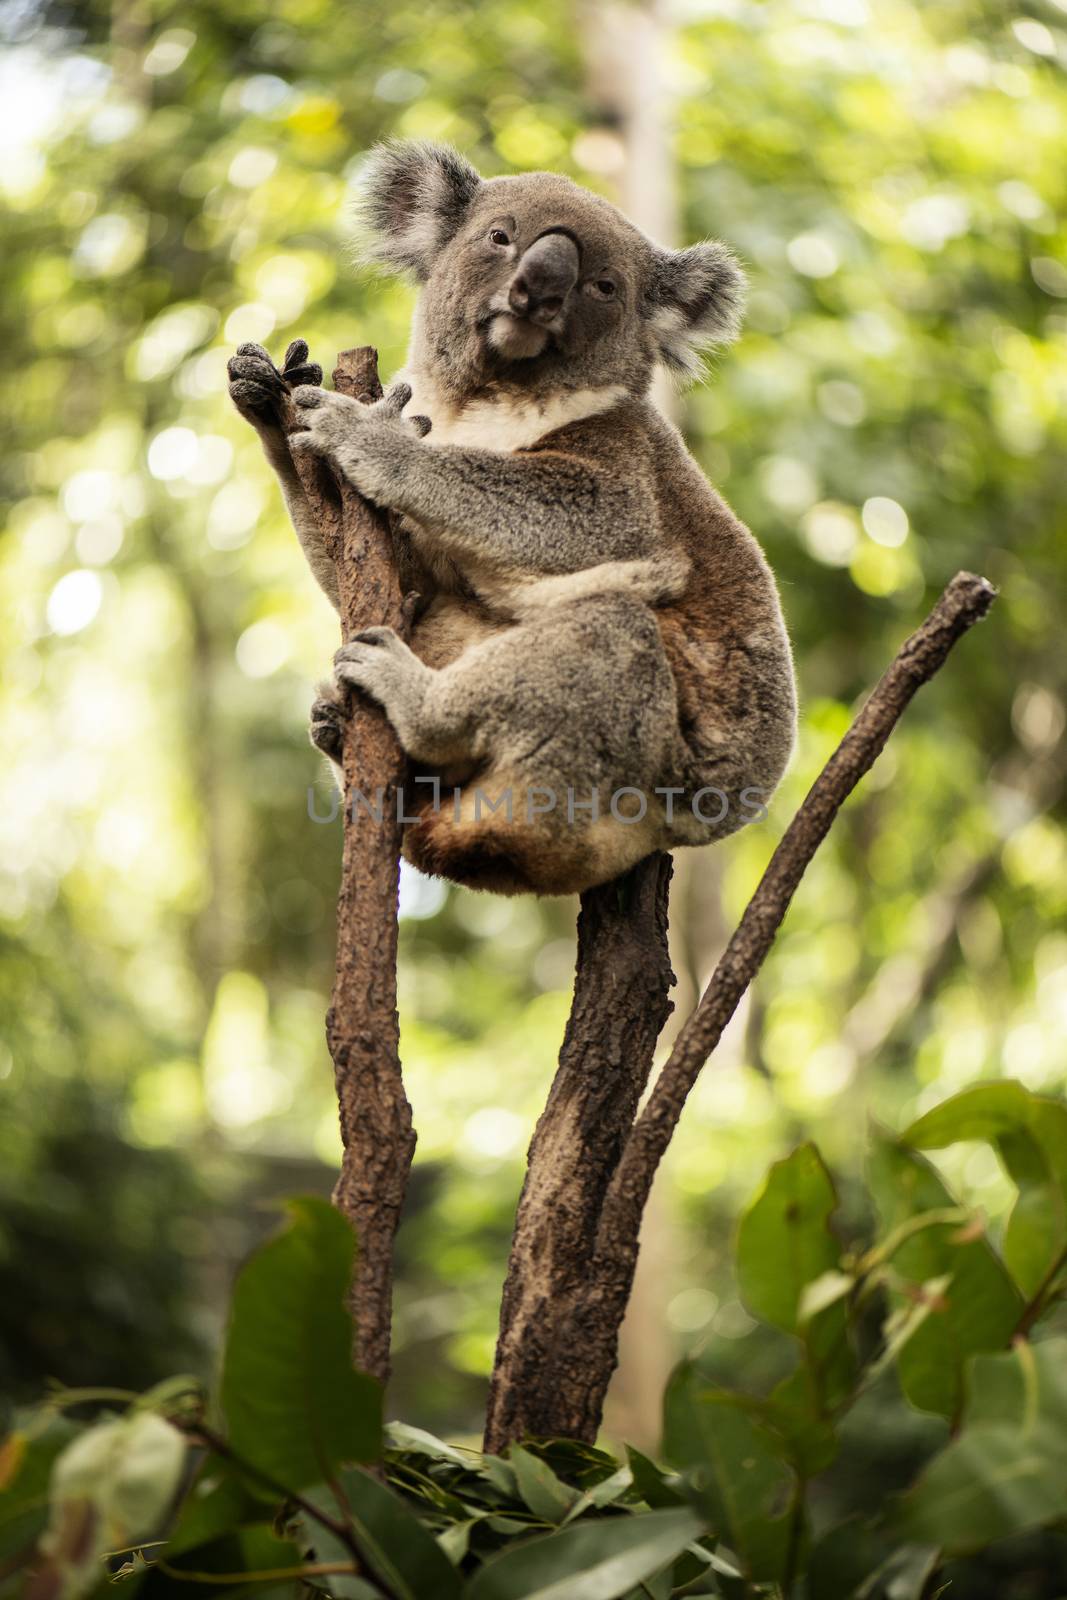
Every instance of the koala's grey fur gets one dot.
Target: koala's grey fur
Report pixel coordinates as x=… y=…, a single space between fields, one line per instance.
x=593 y=619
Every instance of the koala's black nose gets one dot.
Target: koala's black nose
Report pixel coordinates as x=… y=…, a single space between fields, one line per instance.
x=544 y=277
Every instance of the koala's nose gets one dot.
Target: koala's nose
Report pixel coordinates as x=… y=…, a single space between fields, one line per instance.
x=544 y=277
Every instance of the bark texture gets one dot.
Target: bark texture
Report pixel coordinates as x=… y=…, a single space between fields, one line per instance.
x=621 y=987
x=362 y=1027
x=577 y=1334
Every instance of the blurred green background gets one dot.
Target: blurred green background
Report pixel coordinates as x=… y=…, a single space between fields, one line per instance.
x=174 y=181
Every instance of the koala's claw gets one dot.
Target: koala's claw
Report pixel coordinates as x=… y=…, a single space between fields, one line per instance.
x=392 y=405
x=394 y=399
x=377 y=636
x=368 y=639
x=256 y=385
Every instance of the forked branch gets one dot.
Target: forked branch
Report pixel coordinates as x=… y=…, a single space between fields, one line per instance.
x=577 y=1348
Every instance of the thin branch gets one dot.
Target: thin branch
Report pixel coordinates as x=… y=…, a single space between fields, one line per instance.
x=198 y=1433
x=588 y=1320
x=362 y=1027
x=313 y=1569
x=1040 y=1298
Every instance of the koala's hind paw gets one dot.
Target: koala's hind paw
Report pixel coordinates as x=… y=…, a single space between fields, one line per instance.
x=380 y=663
x=257 y=388
x=327 y=728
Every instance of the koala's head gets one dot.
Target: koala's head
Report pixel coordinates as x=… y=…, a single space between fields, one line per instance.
x=533 y=282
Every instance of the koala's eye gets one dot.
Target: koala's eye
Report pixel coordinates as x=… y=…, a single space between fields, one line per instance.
x=605 y=287
x=498 y=236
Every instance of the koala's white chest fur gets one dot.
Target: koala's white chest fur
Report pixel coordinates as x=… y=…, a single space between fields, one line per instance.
x=505 y=422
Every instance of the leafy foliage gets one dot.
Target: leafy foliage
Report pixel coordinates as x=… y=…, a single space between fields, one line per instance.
x=278 y=1499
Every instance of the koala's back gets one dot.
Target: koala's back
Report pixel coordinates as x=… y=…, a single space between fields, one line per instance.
x=725 y=637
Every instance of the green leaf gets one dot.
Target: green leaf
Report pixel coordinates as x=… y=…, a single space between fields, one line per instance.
x=795 y=1410
x=544 y=1493
x=397 y=1547
x=26 y=1460
x=980 y=1307
x=844 y=1558
x=601 y=1494
x=736 y=1469
x=574 y=1461
x=402 y=1436
x=1006 y=1471
x=856 y=1560
x=1029 y=1134
x=501 y=1476
x=981 y=1112
x=658 y=1587
x=455 y=1539
x=128 y=1468
x=294 y=1405
x=251 y=1549
x=784 y=1241
x=216 y=1502
x=598 y=1560
x=652 y=1483
x=787 y=1270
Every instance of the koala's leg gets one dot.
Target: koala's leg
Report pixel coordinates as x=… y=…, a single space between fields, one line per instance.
x=433 y=721
x=257 y=389
x=569 y=722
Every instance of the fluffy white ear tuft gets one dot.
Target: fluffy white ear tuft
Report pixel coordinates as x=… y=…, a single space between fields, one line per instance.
x=696 y=298
x=412 y=198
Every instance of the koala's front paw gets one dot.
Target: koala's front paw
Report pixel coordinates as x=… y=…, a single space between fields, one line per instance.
x=369 y=444
x=328 y=421
x=257 y=387
x=326 y=729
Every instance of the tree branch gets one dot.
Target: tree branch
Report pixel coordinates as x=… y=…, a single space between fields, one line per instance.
x=586 y=1320
x=621 y=986
x=362 y=1027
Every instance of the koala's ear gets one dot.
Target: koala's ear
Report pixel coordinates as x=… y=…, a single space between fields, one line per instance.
x=696 y=298
x=413 y=197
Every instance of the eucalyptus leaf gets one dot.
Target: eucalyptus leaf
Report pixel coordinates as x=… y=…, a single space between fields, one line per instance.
x=402 y=1436
x=216 y=1502
x=1029 y=1133
x=979 y=1308
x=737 y=1471
x=788 y=1274
x=784 y=1243
x=1006 y=1471
x=26 y=1460
x=593 y=1560
x=397 y=1548
x=294 y=1405
x=652 y=1482
x=545 y=1494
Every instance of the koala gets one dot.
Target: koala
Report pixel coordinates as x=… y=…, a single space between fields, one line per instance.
x=598 y=666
